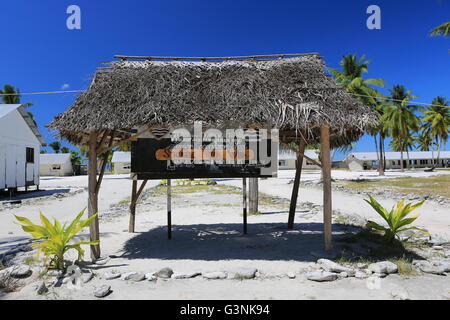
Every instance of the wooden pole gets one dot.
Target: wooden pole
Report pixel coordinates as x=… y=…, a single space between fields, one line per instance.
x=93 y=195
x=133 y=206
x=244 y=202
x=298 y=173
x=135 y=194
x=326 y=173
x=253 y=195
x=169 y=210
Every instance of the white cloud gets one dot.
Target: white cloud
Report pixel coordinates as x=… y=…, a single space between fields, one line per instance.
x=65 y=86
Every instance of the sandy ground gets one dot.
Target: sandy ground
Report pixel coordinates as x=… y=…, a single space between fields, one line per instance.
x=207 y=236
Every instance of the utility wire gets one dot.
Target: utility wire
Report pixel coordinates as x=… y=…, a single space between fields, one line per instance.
x=328 y=88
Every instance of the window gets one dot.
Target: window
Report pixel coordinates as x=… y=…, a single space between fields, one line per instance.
x=127 y=166
x=56 y=167
x=30 y=155
x=393 y=163
x=282 y=163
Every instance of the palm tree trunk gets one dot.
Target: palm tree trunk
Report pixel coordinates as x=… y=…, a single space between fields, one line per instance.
x=439 y=152
x=408 y=164
x=381 y=158
x=401 y=160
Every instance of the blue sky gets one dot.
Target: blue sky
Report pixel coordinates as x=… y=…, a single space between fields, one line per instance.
x=39 y=53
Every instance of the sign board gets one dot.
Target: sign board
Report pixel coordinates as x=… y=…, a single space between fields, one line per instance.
x=211 y=153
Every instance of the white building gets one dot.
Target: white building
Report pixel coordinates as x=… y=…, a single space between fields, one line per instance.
x=121 y=161
x=287 y=159
x=358 y=161
x=55 y=164
x=20 y=142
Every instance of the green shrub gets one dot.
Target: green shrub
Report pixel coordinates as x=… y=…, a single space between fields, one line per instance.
x=57 y=238
x=397 y=219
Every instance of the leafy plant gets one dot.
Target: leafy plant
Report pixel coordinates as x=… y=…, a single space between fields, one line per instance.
x=57 y=238
x=397 y=219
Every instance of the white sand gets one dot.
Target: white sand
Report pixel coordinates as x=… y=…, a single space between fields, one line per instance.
x=207 y=237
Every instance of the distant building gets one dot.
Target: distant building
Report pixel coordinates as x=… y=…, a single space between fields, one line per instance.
x=358 y=161
x=288 y=158
x=20 y=142
x=55 y=164
x=121 y=161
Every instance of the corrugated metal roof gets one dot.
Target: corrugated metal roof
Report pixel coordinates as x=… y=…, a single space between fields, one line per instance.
x=121 y=156
x=7 y=108
x=413 y=155
x=54 y=158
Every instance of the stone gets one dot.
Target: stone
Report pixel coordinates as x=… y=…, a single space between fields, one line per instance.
x=137 y=277
x=21 y=271
x=241 y=273
x=101 y=261
x=428 y=267
x=111 y=275
x=150 y=276
x=102 y=291
x=361 y=265
x=127 y=275
x=54 y=273
x=291 y=275
x=379 y=275
x=186 y=275
x=86 y=277
x=320 y=275
x=332 y=266
x=361 y=275
x=165 y=273
x=215 y=275
x=343 y=275
x=400 y=294
x=41 y=288
x=66 y=280
x=383 y=267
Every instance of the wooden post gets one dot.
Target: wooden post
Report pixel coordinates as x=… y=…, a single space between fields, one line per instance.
x=133 y=203
x=326 y=173
x=298 y=173
x=253 y=195
x=169 y=210
x=133 y=206
x=93 y=195
x=244 y=200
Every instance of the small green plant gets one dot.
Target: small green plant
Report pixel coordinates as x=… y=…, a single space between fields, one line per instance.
x=57 y=238
x=397 y=219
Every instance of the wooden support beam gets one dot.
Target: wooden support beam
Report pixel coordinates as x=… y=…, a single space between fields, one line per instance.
x=298 y=172
x=169 y=209
x=119 y=143
x=326 y=173
x=133 y=206
x=304 y=156
x=244 y=202
x=135 y=194
x=93 y=195
x=253 y=195
x=104 y=161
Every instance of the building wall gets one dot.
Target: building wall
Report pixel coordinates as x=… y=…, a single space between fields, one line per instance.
x=360 y=165
x=15 y=137
x=65 y=169
x=289 y=164
x=122 y=168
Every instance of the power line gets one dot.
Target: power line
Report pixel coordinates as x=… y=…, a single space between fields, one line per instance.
x=42 y=92
x=327 y=88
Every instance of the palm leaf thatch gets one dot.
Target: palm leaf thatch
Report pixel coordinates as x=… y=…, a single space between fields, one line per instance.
x=293 y=94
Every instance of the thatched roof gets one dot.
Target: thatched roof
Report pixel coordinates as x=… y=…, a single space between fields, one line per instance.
x=293 y=94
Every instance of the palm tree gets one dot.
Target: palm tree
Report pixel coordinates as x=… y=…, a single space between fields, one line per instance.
x=442 y=30
x=56 y=146
x=351 y=78
x=424 y=140
x=437 y=122
x=399 y=119
x=11 y=95
x=65 y=150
